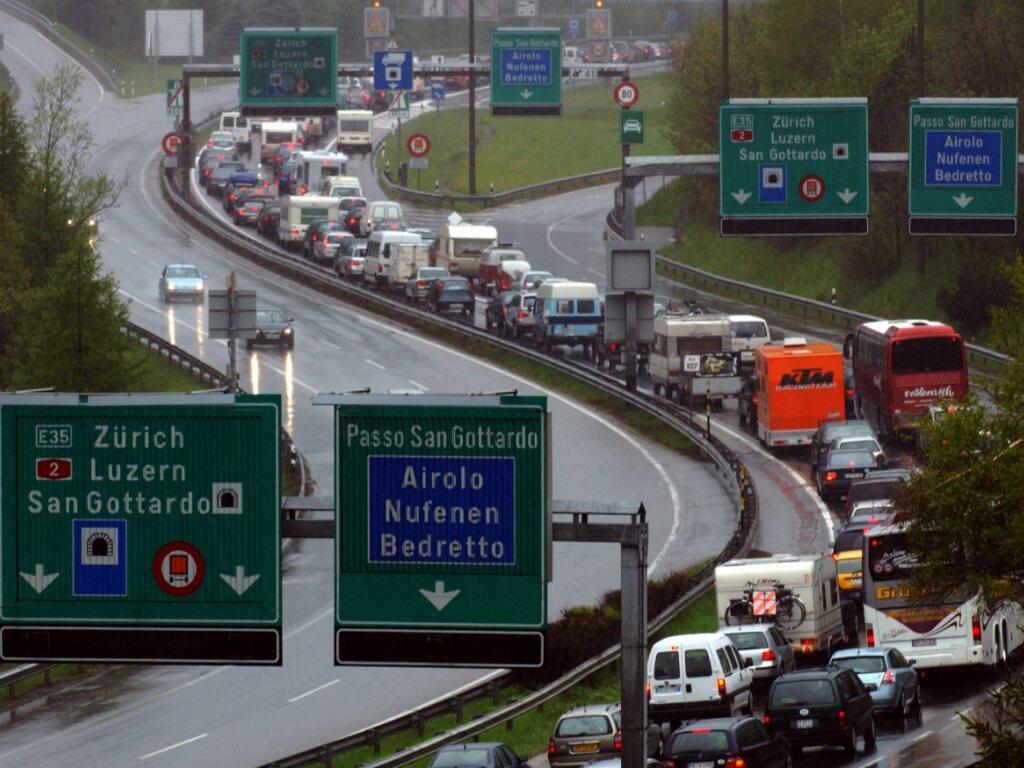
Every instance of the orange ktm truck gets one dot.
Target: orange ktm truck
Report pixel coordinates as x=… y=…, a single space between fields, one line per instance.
x=799 y=386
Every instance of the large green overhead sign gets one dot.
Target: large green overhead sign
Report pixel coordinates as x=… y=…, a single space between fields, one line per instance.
x=526 y=71
x=793 y=166
x=289 y=72
x=963 y=167
x=140 y=528
x=441 y=530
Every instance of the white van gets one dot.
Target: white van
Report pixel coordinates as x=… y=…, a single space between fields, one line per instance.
x=748 y=591
x=378 y=253
x=274 y=134
x=355 y=130
x=571 y=56
x=313 y=167
x=340 y=186
x=297 y=211
x=381 y=213
x=238 y=125
x=748 y=333
x=697 y=676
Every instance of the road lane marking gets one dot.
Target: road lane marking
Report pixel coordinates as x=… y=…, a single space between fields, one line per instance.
x=375 y=365
x=327 y=343
x=133 y=252
x=923 y=736
x=554 y=247
x=174 y=746
x=308 y=623
x=595 y=272
x=18 y=51
x=418 y=385
x=315 y=690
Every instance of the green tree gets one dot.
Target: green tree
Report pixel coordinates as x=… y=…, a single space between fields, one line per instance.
x=965 y=521
x=71 y=336
x=13 y=153
x=13 y=278
x=60 y=197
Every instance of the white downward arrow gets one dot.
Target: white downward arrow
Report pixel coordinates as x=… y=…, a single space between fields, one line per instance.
x=240 y=582
x=526 y=94
x=39 y=580
x=439 y=598
x=741 y=196
x=962 y=200
x=254 y=91
x=846 y=195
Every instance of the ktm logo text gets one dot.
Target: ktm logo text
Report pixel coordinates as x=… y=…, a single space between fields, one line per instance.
x=807 y=378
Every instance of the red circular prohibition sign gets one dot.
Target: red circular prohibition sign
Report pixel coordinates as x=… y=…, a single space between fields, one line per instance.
x=178 y=568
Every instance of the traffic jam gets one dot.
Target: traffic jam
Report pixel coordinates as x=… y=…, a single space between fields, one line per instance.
x=811 y=649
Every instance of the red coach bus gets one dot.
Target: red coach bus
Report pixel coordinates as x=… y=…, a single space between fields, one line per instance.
x=901 y=367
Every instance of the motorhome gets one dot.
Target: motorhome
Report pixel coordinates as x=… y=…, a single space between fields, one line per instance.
x=298 y=211
x=460 y=245
x=313 y=167
x=692 y=355
x=273 y=134
x=355 y=130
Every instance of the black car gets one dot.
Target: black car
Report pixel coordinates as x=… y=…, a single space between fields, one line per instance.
x=353 y=216
x=840 y=468
x=450 y=293
x=210 y=159
x=272 y=327
x=830 y=430
x=748 y=404
x=218 y=178
x=821 y=707
x=231 y=193
x=723 y=741
x=248 y=213
x=270 y=217
x=496 y=310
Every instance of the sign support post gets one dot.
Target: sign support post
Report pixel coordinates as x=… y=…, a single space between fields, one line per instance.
x=472 y=99
x=232 y=334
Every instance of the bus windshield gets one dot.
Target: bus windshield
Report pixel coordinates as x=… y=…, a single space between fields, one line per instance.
x=940 y=353
x=890 y=558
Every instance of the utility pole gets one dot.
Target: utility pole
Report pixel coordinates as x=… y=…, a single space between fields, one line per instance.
x=472 y=98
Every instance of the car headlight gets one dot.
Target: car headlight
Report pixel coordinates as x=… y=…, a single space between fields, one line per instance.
x=287 y=331
x=171 y=287
x=199 y=285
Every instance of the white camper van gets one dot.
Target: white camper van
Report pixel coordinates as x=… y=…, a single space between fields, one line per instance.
x=797 y=593
x=313 y=167
x=355 y=130
x=274 y=134
x=297 y=211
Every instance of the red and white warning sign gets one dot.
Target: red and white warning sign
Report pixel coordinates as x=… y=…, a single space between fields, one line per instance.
x=418 y=145
x=626 y=94
x=170 y=143
x=811 y=188
x=764 y=603
x=178 y=568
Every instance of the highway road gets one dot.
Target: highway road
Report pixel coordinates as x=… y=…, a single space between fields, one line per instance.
x=228 y=716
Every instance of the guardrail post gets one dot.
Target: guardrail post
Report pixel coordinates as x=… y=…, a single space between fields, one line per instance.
x=375 y=736
x=495 y=692
x=458 y=709
x=419 y=724
x=46 y=677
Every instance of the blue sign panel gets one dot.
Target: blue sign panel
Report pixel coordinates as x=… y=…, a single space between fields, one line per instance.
x=772 y=184
x=574 y=28
x=392 y=70
x=437 y=91
x=963 y=158
x=457 y=511
x=526 y=67
x=100 y=552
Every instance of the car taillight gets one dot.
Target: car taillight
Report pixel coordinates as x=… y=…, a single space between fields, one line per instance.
x=976 y=630
x=869 y=632
x=888 y=678
x=768 y=655
x=736 y=762
x=842 y=717
x=721 y=687
x=551 y=746
x=522 y=315
x=808 y=644
x=669 y=763
x=241 y=210
x=303 y=190
x=353 y=263
x=206 y=171
x=613 y=346
x=849 y=393
x=647 y=690
x=830 y=476
x=617 y=742
x=422 y=283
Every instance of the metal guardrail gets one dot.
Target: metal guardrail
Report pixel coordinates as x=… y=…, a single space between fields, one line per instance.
x=12 y=677
x=674 y=416
x=175 y=354
x=978 y=357
x=49 y=29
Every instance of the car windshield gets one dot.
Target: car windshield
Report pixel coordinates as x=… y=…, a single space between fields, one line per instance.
x=875 y=490
x=227 y=170
x=850 y=459
x=862 y=665
x=700 y=740
x=943 y=353
x=849 y=541
x=583 y=725
x=183 y=272
x=788 y=693
x=433 y=273
x=847 y=429
x=335 y=237
x=748 y=641
x=857 y=444
x=269 y=316
x=460 y=758
x=748 y=329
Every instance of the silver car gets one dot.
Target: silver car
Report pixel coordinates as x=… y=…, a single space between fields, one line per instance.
x=349 y=259
x=181 y=281
x=765 y=646
x=417 y=286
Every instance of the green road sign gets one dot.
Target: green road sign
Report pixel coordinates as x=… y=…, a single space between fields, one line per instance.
x=175 y=100
x=140 y=528
x=289 y=72
x=793 y=166
x=962 y=175
x=442 y=527
x=526 y=71
x=631 y=126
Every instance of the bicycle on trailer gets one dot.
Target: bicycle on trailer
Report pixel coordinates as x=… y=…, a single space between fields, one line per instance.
x=762 y=605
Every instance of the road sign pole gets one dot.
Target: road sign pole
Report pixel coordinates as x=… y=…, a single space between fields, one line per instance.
x=185 y=148
x=633 y=560
x=232 y=334
x=472 y=99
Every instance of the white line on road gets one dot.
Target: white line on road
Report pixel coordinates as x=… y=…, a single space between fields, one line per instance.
x=554 y=247
x=114 y=239
x=133 y=252
x=32 y=64
x=595 y=272
x=375 y=364
x=327 y=343
x=174 y=746
x=419 y=386
x=318 y=688
x=923 y=736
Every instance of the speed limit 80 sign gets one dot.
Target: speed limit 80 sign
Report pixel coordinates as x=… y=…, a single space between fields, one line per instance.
x=626 y=94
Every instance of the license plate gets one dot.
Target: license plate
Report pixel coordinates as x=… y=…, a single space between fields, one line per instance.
x=702 y=764
x=855 y=474
x=667 y=688
x=583 y=749
x=803 y=723
x=924 y=643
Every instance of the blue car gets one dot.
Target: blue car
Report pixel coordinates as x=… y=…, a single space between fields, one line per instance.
x=478 y=755
x=893 y=684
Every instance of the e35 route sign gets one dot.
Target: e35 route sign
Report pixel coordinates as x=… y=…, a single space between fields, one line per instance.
x=140 y=528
